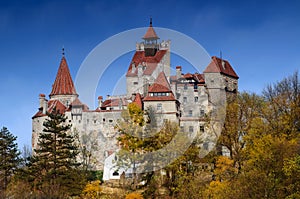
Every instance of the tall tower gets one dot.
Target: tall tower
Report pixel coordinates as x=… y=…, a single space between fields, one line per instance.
x=151 y=58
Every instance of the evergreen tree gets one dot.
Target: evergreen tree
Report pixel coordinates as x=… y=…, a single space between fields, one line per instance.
x=9 y=157
x=54 y=165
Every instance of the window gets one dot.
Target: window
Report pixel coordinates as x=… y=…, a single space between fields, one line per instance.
x=110 y=121
x=116 y=173
x=205 y=146
x=185 y=87
x=184 y=100
x=196 y=99
x=202 y=129
x=106 y=154
x=190 y=113
x=159 y=106
x=181 y=128
x=202 y=113
x=135 y=83
x=191 y=129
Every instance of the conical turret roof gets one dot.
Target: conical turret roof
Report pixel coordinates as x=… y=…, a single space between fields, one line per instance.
x=63 y=84
x=150 y=34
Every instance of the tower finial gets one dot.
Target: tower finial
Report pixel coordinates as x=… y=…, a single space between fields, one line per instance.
x=63 y=51
x=150 y=21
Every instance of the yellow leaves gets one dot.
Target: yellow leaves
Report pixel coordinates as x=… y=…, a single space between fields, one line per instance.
x=225 y=169
x=92 y=190
x=134 y=195
x=292 y=166
x=217 y=190
x=136 y=114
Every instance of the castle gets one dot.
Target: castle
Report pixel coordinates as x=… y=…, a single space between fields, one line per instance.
x=182 y=98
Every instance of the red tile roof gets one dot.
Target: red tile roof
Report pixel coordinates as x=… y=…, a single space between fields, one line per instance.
x=199 y=78
x=114 y=102
x=138 y=100
x=160 y=98
x=150 y=34
x=56 y=104
x=216 y=66
x=63 y=84
x=52 y=104
x=77 y=102
x=161 y=85
x=149 y=62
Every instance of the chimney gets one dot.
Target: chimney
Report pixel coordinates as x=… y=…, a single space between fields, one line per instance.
x=133 y=68
x=45 y=106
x=140 y=70
x=178 y=72
x=42 y=99
x=223 y=64
x=100 y=100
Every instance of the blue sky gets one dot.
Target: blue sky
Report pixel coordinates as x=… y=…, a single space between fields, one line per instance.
x=259 y=38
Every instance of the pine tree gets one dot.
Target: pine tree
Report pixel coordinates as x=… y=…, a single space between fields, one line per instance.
x=9 y=157
x=54 y=164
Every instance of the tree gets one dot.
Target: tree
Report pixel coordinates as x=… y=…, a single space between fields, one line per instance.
x=92 y=190
x=9 y=157
x=241 y=111
x=138 y=139
x=54 y=167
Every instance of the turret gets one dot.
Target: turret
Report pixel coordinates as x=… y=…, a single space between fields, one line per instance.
x=63 y=88
x=151 y=45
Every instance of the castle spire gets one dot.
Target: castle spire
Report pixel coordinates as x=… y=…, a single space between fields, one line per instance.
x=150 y=22
x=150 y=34
x=63 y=84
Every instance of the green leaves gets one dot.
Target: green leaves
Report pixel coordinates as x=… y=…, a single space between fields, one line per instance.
x=55 y=159
x=9 y=157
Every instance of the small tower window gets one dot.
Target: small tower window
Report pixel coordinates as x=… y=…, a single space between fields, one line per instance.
x=190 y=113
x=184 y=100
x=196 y=99
x=159 y=106
x=202 y=113
x=182 y=128
x=202 y=129
x=205 y=146
x=185 y=87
